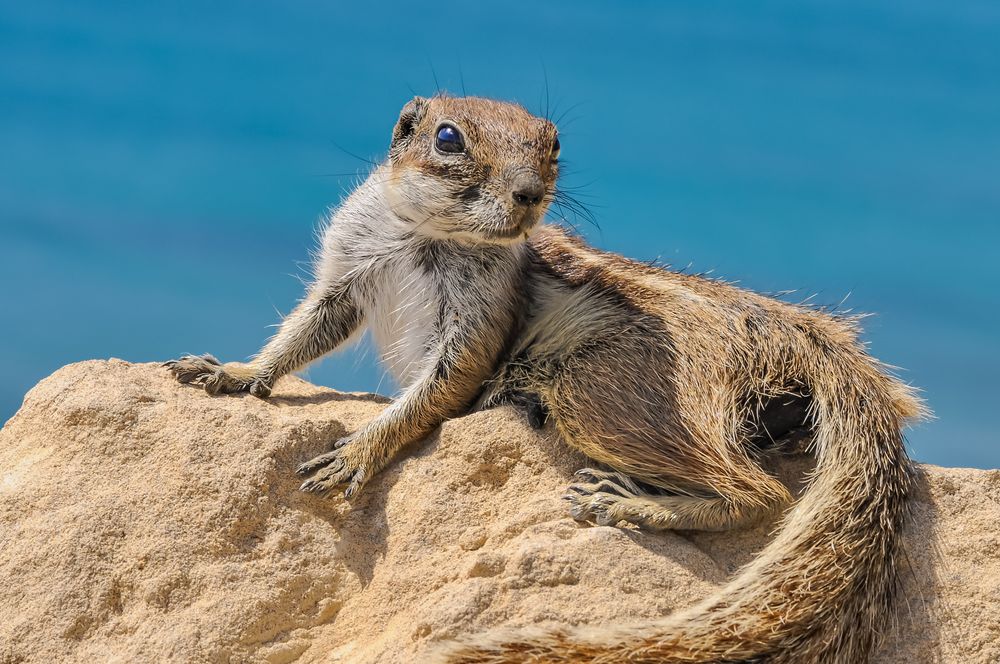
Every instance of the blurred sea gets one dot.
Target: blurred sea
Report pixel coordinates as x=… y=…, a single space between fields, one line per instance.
x=163 y=165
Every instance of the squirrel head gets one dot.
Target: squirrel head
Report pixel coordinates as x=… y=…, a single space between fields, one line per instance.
x=472 y=169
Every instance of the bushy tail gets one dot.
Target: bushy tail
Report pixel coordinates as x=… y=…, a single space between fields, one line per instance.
x=821 y=591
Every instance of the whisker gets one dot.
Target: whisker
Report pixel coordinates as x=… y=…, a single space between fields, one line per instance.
x=545 y=75
x=351 y=154
x=558 y=121
x=578 y=208
x=437 y=86
x=563 y=218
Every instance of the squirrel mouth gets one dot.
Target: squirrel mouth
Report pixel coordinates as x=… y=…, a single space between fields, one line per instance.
x=522 y=228
x=523 y=224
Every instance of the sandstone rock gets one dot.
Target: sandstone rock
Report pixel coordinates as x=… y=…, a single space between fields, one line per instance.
x=145 y=521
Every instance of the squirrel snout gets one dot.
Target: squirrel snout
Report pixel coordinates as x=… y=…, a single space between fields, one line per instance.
x=527 y=189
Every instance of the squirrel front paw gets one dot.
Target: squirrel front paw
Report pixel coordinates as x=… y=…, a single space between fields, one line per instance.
x=345 y=464
x=216 y=378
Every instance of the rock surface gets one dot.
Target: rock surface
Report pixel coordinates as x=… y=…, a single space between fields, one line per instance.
x=145 y=521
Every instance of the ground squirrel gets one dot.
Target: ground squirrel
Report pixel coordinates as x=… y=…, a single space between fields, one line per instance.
x=674 y=382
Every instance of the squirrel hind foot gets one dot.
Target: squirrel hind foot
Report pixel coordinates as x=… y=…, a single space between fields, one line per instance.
x=608 y=498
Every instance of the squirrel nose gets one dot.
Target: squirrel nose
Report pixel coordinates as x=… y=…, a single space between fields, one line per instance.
x=527 y=189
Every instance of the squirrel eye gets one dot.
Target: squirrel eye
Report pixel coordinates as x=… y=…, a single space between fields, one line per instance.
x=555 y=149
x=449 y=139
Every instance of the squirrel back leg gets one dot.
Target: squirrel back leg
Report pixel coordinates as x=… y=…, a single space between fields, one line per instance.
x=611 y=497
x=703 y=475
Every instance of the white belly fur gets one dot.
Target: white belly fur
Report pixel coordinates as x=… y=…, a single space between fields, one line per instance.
x=401 y=318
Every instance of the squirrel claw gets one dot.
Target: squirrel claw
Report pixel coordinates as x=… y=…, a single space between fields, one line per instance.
x=333 y=468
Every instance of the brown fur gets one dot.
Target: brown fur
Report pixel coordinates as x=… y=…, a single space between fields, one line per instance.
x=665 y=378
x=661 y=389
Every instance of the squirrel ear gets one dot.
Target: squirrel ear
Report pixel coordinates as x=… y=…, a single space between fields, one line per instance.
x=409 y=118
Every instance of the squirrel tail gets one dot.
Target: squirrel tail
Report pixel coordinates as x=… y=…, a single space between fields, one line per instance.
x=820 y=591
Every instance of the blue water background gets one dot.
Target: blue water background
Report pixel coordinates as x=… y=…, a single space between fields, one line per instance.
x=163 y=166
